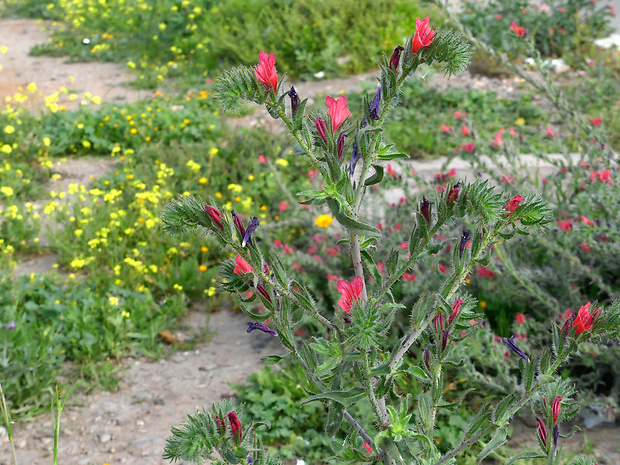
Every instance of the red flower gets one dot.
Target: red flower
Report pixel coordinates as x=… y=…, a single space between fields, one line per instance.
x=565 y=225
x=445 y=128
x=391 y=171
x=338 y=111
x=595 y=121
x=235 y=425
x=242 y=266
x=484 y=271
x=585 y=247
x=456 y=308
x=519 y=31
x=459 y=115
x=512 y=204
x=442 y=268
x=587 y=221
x=464 y=130
x=550 y=132
x=423 y=35
x=469 y=147
x=215 y=215
x=583 y=320
x=520 y=318
x=409 y=276
x=266 y=70
x=367 y=447
x=350 y=293
x=555 y=408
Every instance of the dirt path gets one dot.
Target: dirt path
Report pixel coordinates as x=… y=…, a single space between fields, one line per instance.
x=130 y=426
x=109 y=81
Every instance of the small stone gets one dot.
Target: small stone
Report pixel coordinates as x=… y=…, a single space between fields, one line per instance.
x=21 y=444
x=159 y=400
x=141 y=396
x=103 y=438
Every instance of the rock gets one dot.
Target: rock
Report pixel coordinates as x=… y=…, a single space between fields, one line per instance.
x=142 y=396
x=103 y=438
x=159 y=400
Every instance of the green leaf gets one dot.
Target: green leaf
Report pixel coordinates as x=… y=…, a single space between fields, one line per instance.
x=272 y=359
x=418 y=373
x=345 y=398
x=375 y=178
x=524 y=455
x=351 y=224
x=299 y=115
x=335 y=415
x=498 y=440
x=501 y=410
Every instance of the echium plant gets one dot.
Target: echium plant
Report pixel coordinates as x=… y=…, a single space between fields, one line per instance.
x=352 y=359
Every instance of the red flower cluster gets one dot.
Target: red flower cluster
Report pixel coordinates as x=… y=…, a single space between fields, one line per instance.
x=519 y=31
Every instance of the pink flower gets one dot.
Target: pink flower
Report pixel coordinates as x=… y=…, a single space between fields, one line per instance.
x=283 y=206
x=215 y=215
x=243 y=266
x=497 y=140
x=484 y=271
x=445 y=128
x=262 y=158
x=585 y=247
x=550 y=132
x=442 y=268
x=423 y=35
x=338 y=111
x=498 y=16
x=266 y=70
x=409 y=277
x=586 y=221
x=519 y=31
x=390 y=171
x=459 y=115
x=595 y=121
x=520 y=318
x=555 y=408
x=367 y=447
x=350 y=293
x=508 y=180
x=512 y=204
x=469 y=147
x=464 y=130
x=456 y=308
x=565 y=225
x=235 y=424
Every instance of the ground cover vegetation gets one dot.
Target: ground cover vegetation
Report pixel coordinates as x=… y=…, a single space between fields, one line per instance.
x=190 y=41
x=132 y=282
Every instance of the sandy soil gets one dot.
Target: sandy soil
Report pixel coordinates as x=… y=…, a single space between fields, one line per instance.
x=130 y=425
x=109 y=81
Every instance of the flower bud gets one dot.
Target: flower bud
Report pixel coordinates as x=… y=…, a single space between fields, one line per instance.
x=294 y=100
x=321 y=128
x=340 y=144
x=395 y=60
